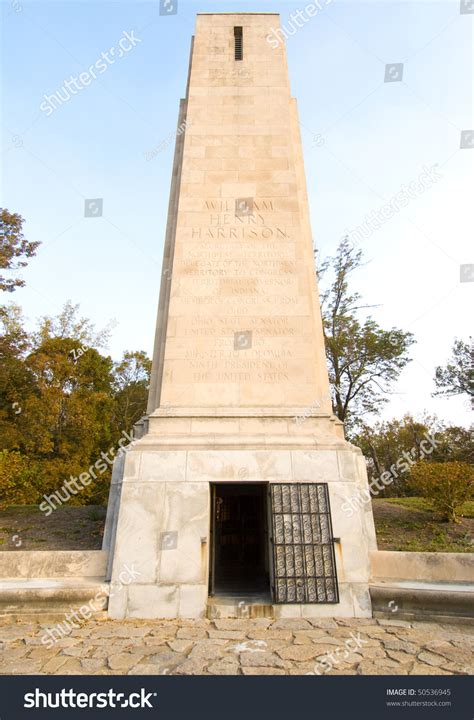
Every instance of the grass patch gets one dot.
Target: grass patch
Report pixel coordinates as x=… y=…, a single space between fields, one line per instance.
x=410 y=524
x=68 y=528
x=23 y=508
x=411 y=503
x=420 y=504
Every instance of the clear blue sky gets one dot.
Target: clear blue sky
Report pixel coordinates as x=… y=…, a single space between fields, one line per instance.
x=363 y=140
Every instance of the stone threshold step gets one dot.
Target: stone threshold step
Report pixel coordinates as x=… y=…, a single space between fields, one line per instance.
x=43 y=616
x=52 y=595
x=51 y=583
x=239 y=606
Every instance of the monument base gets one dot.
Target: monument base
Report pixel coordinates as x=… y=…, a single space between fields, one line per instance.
x=192 y=513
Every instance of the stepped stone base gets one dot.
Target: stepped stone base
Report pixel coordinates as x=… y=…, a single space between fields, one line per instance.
x=423 y=585
x=52 y=583
x=52 y=596
x=161 y=490
x=408 y=600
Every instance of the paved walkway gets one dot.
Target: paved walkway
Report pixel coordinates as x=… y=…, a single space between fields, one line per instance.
x=234 y=647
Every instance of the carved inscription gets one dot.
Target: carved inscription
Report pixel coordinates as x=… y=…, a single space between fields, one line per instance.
x=238 y=275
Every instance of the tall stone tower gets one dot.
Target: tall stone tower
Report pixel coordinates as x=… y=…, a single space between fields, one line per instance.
x=234 y=494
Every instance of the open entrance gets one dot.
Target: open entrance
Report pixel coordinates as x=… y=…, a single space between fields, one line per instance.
x=239 y=547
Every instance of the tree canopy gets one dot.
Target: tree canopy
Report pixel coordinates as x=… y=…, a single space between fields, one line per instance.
x=15 y=249
x=395 y=446
x=62 y=403
x=364 y=360
x=457 y=376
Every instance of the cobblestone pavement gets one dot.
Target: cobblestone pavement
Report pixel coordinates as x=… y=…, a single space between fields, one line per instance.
x=236 y=647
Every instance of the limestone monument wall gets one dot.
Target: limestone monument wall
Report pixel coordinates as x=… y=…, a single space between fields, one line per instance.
x=239 y=389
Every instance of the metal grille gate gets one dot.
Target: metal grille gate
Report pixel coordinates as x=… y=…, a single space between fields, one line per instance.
x=304 y=565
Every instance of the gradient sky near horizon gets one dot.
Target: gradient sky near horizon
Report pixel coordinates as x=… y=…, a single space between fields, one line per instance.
x=363 y=140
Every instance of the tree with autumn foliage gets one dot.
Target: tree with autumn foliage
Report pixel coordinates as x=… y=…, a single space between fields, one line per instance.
x=457 y=376
x=386 y=443
x=62 y=402
x=446 y=486
x=131 y=380
x=15 y=249
x=364 y=360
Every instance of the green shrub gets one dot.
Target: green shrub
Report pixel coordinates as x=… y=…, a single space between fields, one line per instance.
x=446 y=486
x=20 y=479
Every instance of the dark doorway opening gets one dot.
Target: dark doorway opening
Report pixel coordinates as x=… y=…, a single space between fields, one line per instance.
x=239 y=547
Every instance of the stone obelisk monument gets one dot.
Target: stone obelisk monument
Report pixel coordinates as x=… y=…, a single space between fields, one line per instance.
x=237 y=486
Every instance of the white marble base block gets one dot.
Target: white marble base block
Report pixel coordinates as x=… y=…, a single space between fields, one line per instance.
x=163 y=523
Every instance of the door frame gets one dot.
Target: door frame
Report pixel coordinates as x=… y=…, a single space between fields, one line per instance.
x=268 y=557
x=212 y=535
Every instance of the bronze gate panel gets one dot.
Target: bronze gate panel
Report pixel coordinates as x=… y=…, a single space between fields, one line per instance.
x=304 y=564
